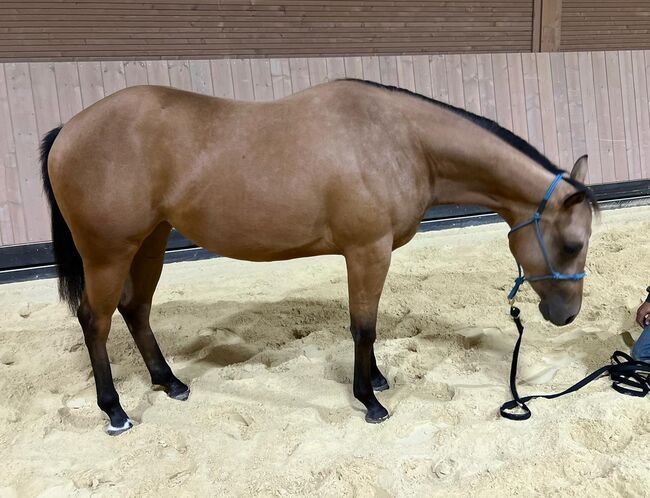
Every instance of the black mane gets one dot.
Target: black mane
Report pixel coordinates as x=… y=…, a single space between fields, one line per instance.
x=504 y=134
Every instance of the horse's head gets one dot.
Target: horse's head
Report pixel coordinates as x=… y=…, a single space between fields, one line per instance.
x=551 y=247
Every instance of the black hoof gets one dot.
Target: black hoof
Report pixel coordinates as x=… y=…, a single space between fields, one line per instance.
x=377 y=415
x=380 y=385
x=112 y=430
x=177 y=390
x=181 y=393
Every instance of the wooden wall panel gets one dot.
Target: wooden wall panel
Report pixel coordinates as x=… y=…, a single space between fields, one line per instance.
x=26 y=141
x=354 y=67
x=12 y=217
x=202 y=29
x=605 y=25
x=567 y=104
x=560 y=100
x=91 y=82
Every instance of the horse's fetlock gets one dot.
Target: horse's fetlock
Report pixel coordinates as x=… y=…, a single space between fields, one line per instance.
x=108 y=401
x=162 y=376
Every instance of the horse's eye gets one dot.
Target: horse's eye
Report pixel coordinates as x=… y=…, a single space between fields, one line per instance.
x=573 y=248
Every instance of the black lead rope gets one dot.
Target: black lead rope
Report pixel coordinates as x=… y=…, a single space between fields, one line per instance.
x=629 y=376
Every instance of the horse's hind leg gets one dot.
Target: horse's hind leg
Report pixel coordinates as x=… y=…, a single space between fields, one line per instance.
x=367 y=268
x=135 y=307
x=105 y=276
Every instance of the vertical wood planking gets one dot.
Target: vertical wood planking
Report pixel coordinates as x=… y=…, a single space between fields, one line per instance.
x=46 y=110
x=454 y=72
x=576 y=116
x=90 y=82
x=537 y=25
x=603 y=116
x=487 y=97
x=371 y=70
x=299 y=74
x=547 y=107
x=68 y=89
x=533 y=111
x=388 y=70
x=262 y=81
x=135 y=73
x=242 y=79
x=517 y=96
x=642 y=97
x=629 y=116
x=179 y=75
x=201 y=77
x=502 y=90
x=646 y=62
x=6 y=233
x=439 y=83
x=470 y=83
x=12 y=222
x=561 y=104
x=26 y=139
x=550 y=25
x=46 y=101
x=422 y=75
x=222 y=79
x=353 y=68
x=590 y=116
x=615 y=97
x=158 y=73
x=113 y=76
x=335 y=68
x=405 y=74
x=281 y=78
x=317 y=70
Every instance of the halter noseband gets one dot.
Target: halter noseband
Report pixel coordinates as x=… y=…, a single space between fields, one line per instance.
x=553 y=274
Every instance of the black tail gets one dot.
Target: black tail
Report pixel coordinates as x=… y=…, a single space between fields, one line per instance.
x=68 y=260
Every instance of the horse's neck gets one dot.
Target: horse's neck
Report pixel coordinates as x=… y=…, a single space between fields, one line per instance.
x=470 y=165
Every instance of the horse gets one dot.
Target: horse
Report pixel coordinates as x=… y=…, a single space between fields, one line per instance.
x=348 y=167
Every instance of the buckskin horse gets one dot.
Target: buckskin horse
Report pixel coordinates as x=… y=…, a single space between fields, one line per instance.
x=347 y=167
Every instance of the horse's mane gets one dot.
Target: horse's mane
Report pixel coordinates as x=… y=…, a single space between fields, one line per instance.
x=495 y=128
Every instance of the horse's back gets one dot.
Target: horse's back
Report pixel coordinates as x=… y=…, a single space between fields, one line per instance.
x=250 y=180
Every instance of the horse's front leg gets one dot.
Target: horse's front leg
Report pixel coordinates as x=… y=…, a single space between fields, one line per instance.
x=367 y=268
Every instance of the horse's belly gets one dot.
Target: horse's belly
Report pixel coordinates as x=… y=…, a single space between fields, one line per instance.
x=256 y=238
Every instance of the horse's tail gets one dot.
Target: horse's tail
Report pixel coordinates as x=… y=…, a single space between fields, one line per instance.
x=66 y=256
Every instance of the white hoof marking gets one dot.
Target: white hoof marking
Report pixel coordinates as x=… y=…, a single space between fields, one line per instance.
x=112 y=430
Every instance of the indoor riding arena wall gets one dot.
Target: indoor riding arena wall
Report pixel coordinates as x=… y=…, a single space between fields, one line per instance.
x=565 y=103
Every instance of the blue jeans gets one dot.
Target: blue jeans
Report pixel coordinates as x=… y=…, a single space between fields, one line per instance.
x=641 y=349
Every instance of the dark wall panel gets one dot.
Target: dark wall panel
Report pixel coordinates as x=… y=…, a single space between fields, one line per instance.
x=605 y=25
x=123 y=29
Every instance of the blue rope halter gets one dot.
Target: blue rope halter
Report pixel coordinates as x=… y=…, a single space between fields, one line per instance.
x=553 y=274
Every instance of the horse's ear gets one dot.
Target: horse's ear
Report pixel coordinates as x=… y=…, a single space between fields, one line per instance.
x=573 y=199
x=579 y=171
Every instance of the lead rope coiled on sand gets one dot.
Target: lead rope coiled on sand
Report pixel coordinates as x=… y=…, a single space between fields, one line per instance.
x=629 y=376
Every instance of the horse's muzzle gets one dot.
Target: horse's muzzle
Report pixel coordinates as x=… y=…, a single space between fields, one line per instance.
x=556 y=311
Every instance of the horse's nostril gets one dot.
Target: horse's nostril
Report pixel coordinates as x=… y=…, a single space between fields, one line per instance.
x=570 y=319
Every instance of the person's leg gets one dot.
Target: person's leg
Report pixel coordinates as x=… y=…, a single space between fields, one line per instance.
x=641 y=349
